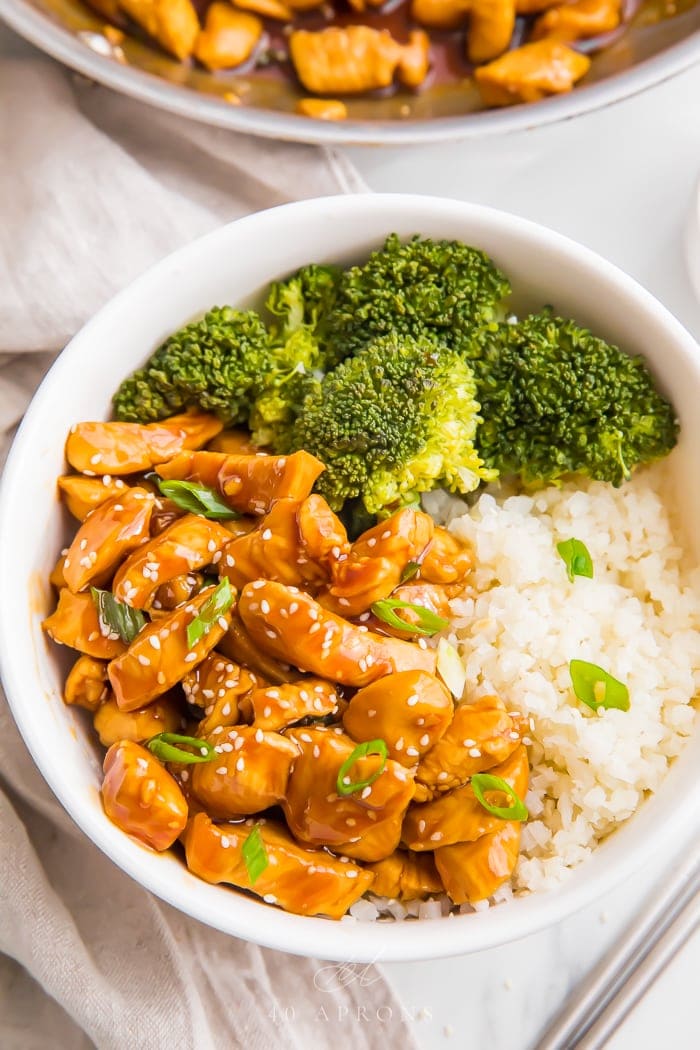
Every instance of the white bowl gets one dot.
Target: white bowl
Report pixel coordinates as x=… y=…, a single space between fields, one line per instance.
x=232 y=265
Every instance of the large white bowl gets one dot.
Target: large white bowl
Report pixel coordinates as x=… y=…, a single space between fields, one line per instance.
x=232 y=265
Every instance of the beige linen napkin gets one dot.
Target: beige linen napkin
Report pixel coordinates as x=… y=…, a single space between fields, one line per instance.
x=93 y=188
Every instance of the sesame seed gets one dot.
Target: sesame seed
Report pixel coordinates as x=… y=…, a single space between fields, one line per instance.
x=424 y=740
x=224 y=842
x=267 y=534
x=107 y=480
x=443 y=774
x=257 y=584
x=83 y=544
x=436 y=836
x=185 y=775
x=474 y=752
x=351 y=822
x=412 y=752
x=343 y=601
x=366 y=792
x=226 y=710
x=211 y=546
x=351 y=872
x=190 y=658
x=270 y=634
x=421 y=827
x=270 y=898
x=225 y=747
x=230 y=561
x=97 y=458
x=371 y=713
x=223 y=623
x=514 y=736
x=412 y=701
x=372 y=542
x=90 y=474
x=398 y=746
x=222 y=771
x=154 y=641
x=259 y=736
x=314 y=627
x=160 y=678
x=469 y=742
x=293 y=608
x=143 y=660
x=216 y=558
x=118 y=506
x=85 y=562
x=240 y=764
x=265 y=606
x=422 y=644
x=307 y=740
x=267 y=711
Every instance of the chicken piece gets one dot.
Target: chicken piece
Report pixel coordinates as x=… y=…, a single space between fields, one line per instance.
x=165 y=513
x=237 y=442
x=56 y=577
x=299 y=880
x=249 y=484
x=376 y=562
x=289 y=625
x=473 y=871
x=406 y=876
x=277 y=706
x=415 y=59
x=578 y=20
x=481 y=735
x=173 y=23
x=409 y=711
x=530 y=73
x=249 y=773
x=106 y=536
x=81 y=494
x=112 y=724
x=75 y=623
x=141 y=797
x=440 y=14
x=532 y=7
x=276 y=9
x=175 y=592
x=296 y=544
x=304 y=5
x=228 y=38
x=109 y=9
x=86 y=684
x=190 y=543
x=238 y=645
x=322 y=108
x=447 y=561
x=127 y=448
x=160 y=655
x=491 y=25
x=458 y=816
x=316 y=814
x=218 y=686
x=349 y=60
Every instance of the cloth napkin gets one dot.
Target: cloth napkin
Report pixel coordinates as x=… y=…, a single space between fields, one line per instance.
x=94 y=188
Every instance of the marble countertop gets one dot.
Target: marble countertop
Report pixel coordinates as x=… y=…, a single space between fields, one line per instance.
x=621 y=181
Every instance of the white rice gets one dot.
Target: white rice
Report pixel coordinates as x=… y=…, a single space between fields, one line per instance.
x=522 y=621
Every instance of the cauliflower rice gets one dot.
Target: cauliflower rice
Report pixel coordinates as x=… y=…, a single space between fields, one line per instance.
x=523 y=621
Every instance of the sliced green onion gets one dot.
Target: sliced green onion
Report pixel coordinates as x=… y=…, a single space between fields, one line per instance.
x=596 y=688
x=255 y=855
x=344 y=785
x=197 y=499
x=482 y=782
x=428 y=622
x=118 y=616
x=220 y=602
x=411 y=570
x=451 y=669
x=162 y=747
x=576 y=557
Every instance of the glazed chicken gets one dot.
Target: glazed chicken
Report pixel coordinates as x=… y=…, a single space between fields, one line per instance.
x=256 y=700
x=228 y=38
x=354 y=59
x=530 y=73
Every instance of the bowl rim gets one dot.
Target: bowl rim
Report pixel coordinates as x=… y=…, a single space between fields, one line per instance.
x=356 y=941
x=52 y=38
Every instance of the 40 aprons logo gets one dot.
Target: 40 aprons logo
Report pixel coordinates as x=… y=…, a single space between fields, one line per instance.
x=334 y=980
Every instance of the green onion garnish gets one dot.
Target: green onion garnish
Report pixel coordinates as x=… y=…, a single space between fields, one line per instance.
x=596 y=688
x=197 y=499
x=344 y=786
x=482 y=782
x=117 y=616
x=576 y=557
x=255 y=855
x=162 y=747
x=428 y=622
x=410 y=571
x=220 y=602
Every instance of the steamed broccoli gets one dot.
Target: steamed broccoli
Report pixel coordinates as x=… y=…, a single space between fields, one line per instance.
x=299 y=306
x=438 y=289
x=396 y=420
x=216 y=364
x=557 y=400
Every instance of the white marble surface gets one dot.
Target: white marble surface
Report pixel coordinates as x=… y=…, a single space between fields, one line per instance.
x=620 y=181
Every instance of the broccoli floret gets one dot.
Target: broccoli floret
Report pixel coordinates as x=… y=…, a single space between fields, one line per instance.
x=299 y=306
x=392 y=422
x=438 y=289
x=302 y=301
x=557 y=400
x=216 y=364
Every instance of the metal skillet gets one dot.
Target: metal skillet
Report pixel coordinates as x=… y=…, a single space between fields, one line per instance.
x=649 y=52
